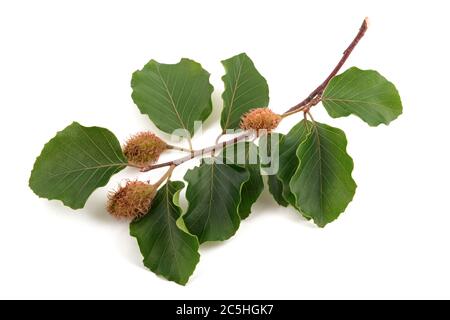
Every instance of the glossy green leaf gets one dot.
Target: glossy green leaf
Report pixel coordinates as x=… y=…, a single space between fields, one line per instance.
x=364 y=93
x=245 y=155
x=167 y=250
x=322 y=184
x=214 y=195
x=173 y=96
x=245 y=89
x=75 y=162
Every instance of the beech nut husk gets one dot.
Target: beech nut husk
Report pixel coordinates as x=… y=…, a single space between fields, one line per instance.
x=143 y=149
x=260 y=119
x=132 y=200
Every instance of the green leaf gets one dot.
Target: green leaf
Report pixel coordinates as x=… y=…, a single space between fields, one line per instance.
x=269 y=146
x=322 y=184
x=75 y=162
x=167 y=250
x=364 y=93
x=288 y=160
x=245 y=89
x=276 y=189
x=173 y=96
x=214 y=194
x=245 y=155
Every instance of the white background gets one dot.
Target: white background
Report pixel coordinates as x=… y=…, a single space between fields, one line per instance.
x=62 y=61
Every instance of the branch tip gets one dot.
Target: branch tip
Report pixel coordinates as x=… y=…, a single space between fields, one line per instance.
x=366 y=22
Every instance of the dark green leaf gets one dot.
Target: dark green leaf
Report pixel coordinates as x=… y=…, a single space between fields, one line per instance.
x=214 y=194
x=288 y=160
x=75 y=162
x=269 y=146
x=245 y=89
x=245 y=155
x=276 y=189
x=364 y=93
x=174 y=96
x=322 y=184
x=167 y=249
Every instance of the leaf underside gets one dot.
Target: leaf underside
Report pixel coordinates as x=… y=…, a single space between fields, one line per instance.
x=167 y=250
x=245 y=89
x=77 y=161
x=364 y=93
x=322 y=184
x=214 y=195
x=173 y=96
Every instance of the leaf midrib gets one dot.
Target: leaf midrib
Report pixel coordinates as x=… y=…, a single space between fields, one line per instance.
x=355 y=101
x=230 y=108
x=170 y=233
x=170 y=97
x=90 y=168
x=319 y=152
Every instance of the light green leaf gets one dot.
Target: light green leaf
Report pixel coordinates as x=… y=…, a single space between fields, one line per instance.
x=214 y=195
x=322 y=184
x=245 y=155
x=245 y=89
x=75 y=162
x=173 y=96
x=364 y=93
x=167 y=250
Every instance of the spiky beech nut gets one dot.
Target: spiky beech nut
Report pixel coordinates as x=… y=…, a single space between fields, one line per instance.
x=132 y=200
x=260 y=119
x=143 y=149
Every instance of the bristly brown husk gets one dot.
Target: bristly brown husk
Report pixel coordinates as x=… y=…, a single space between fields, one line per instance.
x=144 y=149
x=132 y=200
x=260 y=119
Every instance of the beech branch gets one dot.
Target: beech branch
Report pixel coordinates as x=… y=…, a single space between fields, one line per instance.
x=197 y=153
x=313 y=98
x=166 y=176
